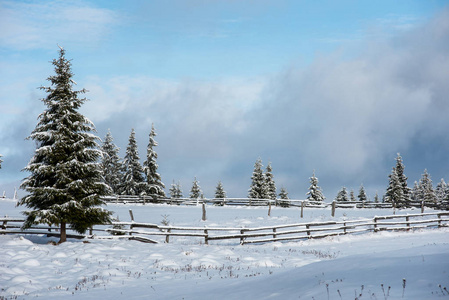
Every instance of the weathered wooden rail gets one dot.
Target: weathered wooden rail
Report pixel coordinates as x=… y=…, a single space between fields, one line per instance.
x=288 y=232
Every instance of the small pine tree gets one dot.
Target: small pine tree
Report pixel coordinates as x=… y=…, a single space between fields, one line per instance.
x=362 y=194
x=269 y=183
x=351 y=196
x=111 y=165
x=175 y=190
x=426 y=189
x=219 y=191
x=134 y=180
x=155 y=187
x=314 y=193
x=66 y=180
x=283 y=194
x=406 y=191
x=195 y=191
x=376 y=198
x=416 y=193
x=342 y=195
x=258 y=185
x=395 y=192
x=441 y=190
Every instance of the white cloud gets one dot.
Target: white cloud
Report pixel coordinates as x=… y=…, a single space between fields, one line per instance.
x=41 y=24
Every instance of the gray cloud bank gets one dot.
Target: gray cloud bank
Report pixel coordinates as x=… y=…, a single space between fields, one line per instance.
x=344 y=117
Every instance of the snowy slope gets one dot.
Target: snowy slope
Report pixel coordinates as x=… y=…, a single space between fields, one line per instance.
x=332 y=268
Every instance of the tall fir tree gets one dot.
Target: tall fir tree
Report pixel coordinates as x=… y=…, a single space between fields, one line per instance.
x=155 y=187
x=111 y=165
x=395 y=191
x=258 y=188
x=314 y=193
x=342 y=195
x=426 y=190
x=219 y=191
x=362 y=194
x=134 y=181
x=283 y=194
x=66 y=182
x=195 y=191
x=269 y=183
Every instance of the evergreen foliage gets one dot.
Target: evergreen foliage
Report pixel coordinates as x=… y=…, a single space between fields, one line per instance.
x=155 y=187
x=441 y=190
x=111 y=165
x=395 y=191
x=314 y=193
x=258 y=188
x=219 y=191
x=362 y=194
x=416 y=194
x=351 y=196
x=342 y=195
x=283 y=194
x=66 y=181
x=426 y=191
x=175 y=190
x=134 y=180
x=406 y=191
x=270 y=184
x=195 y=191
x=376 y=198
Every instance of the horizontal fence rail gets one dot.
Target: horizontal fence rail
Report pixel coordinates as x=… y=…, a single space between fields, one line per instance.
x=288 y=232
x=144 y=199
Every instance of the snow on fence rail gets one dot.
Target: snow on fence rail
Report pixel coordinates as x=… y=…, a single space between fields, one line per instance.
x=142 y=231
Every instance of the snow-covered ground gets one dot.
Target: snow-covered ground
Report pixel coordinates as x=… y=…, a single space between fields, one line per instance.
x=383 y=265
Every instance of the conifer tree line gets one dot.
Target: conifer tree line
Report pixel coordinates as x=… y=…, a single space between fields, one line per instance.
x=128 y=176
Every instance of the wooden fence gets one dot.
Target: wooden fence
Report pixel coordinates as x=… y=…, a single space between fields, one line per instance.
x=289 y=232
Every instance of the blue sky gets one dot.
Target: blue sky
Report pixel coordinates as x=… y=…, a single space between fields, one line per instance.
x=338 y=87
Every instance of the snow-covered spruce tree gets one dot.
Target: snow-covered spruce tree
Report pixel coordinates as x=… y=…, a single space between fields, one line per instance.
x=175 y=190
x=111 y=165
x=441 y=190
x=219 y=191
x=406 y=191
x=351 y=196
x=395 y=191
x=342 y=195
x=362 y=194
x=134 y=181
x=314 y=193
x=269 y=183
x=415 y=195
x=258 y=188
x=66 y=182
x=155 y=187
x=426 y=190
x=283 y=194
x=195 y=191
x=376 y=198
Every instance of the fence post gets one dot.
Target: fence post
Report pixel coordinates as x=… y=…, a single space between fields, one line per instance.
x=206 y=238
x=302 y=209
x=422 y=207
x=344 y=227
x=4 y=225
x=269 y=208
x=407 y=218
x=333 y=208
x=167 y=237
x=242 y=232
x=116 y=199
x=308 y=231
x=132 y=220
x=439 y=220
x=375 y=224
x=143 y=199
x=204 y=212
x=274 y=232
x=91 y=230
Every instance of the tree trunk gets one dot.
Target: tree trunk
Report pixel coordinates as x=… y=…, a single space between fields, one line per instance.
x=63 y=237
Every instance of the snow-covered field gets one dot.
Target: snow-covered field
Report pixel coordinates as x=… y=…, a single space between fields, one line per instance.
x=384 y=265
